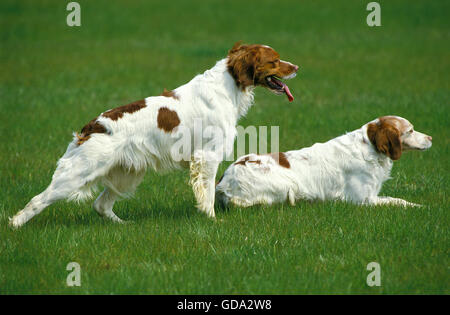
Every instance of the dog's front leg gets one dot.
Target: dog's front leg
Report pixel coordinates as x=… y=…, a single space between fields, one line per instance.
x=203 y=169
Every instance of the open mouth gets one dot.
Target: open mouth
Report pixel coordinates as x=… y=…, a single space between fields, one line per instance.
x=279 y=87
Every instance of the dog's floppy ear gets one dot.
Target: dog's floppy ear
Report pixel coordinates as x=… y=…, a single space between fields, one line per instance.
x=242 y=64
x=386 y=138
x=235 y=47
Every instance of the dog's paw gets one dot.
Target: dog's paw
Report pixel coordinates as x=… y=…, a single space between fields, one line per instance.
x=16 y=222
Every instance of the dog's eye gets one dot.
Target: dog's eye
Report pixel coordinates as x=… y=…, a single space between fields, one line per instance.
x=411 y=131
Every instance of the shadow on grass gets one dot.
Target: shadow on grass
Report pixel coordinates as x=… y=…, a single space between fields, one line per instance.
x=132 y=211
x=72 y=215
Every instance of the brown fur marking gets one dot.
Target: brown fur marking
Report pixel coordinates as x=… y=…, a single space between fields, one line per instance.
x=167 y=119
x=386 y=138
x=245 y=160
x=95 y=127
x=116 y=113
x=170 y=93
x=92 y=127
x=281 y=158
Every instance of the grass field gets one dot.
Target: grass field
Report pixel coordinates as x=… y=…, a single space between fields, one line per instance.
x=55 y=78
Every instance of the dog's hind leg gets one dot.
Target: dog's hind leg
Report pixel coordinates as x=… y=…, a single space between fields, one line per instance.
x=119 y=183
x=61 y=187
x=104 y=205
x=74 y=178
x=394 y=201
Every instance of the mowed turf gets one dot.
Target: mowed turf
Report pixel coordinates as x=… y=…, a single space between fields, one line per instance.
x=55 y=78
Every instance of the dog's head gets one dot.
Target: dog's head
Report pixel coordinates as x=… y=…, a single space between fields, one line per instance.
x=253 y=65
x=392 y=135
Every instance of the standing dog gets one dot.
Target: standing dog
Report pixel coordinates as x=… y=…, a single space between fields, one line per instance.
x=351 y=167
x=117 y=147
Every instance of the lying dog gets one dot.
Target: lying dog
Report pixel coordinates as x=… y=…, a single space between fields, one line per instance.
x=351 y=167
x=117 y=147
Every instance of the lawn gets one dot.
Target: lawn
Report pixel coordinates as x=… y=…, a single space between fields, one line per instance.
x=55 y=78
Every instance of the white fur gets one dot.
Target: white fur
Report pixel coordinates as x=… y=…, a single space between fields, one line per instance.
x=347 y=168
x=119 y=158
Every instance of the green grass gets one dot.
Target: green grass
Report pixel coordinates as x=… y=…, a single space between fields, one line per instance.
x=54 y=79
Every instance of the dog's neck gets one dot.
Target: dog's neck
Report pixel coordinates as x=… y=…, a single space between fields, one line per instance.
x=223 y=85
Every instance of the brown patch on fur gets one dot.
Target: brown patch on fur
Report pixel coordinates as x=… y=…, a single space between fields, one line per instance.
x=249 y=65
x=92 y=127
x=171 y=93
x=386 y=138
x=118 y=112
x=241 y=162
x=245 y=160
x=114 y=114
x=167 y=119
x=400 y=124
x=281 y=159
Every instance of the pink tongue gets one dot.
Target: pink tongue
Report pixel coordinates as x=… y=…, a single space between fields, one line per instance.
x=288 y=93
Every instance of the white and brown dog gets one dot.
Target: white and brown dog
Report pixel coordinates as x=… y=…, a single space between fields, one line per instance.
x=116 y=148
x=351 y=168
